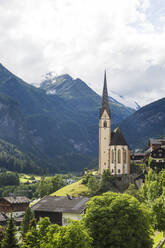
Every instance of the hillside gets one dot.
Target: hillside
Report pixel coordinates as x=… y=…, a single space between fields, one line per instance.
x=59 y=130
x=74 y=189
x=13 y=159
x=145 y=123
x=81 y=97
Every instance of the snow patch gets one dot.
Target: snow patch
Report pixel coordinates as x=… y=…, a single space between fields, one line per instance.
x=51 y=92
x=127 y=101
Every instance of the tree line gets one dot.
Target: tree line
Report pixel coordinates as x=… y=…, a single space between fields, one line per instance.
x=111 y=220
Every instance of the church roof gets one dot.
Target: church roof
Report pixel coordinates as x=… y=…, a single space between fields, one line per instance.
x=105 y=103
x=117 y=138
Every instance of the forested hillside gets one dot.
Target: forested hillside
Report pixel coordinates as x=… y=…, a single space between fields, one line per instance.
x=58 y=131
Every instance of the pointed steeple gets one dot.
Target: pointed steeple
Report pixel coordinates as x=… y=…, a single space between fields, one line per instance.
x=104 y=102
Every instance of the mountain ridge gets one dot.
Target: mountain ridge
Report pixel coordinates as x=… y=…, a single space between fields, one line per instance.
x=60 y=128
x=145 y=123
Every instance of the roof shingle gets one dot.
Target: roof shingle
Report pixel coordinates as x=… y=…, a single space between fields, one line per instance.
x=61 y=204
x=117 y=138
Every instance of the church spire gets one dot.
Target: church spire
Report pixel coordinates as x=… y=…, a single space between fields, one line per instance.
x=104 y=102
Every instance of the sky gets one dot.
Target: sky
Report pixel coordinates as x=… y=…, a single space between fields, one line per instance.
x=82 y=38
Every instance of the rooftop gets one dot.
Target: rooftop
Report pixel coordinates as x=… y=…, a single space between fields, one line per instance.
x=61 y=204
x=16 y=199
x=117 y=138
x=156 y=141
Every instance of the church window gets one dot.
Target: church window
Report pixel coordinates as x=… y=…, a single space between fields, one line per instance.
x=119 y=156
x=125 y=156
x=112 y=152
x=118 y=171
x=105 y=124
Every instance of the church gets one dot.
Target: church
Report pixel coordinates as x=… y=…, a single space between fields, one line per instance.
x=114 y=152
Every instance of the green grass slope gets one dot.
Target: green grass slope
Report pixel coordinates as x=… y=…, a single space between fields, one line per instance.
x=74 y=189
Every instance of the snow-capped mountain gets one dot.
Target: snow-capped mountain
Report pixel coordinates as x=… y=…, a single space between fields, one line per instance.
x=127 y=101
x=50 y=82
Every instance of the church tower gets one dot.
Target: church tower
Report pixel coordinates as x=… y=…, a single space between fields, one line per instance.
x=114 y=152
x=104 y=130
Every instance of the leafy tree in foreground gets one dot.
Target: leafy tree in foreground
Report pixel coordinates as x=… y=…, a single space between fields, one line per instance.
x=54 y=236
x=10 y=240
x=118 y=220
x=74 y=235
x=158 y=208
x=37 y=234
x=153 y=187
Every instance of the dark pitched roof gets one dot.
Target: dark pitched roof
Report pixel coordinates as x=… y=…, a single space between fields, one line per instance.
x=105 y=103
x=17 y=199
x=61 y=204
x=117 y=138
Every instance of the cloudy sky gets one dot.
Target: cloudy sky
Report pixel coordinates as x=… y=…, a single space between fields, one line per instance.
x=82 y=37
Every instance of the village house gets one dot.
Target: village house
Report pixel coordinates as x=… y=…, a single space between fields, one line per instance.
x=137 y=157
x=156 y=151
x=60 y=208
x=156 y=143
x=158 y=154
x=14 y=204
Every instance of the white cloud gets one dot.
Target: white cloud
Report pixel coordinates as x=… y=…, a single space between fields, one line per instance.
x=82 y=37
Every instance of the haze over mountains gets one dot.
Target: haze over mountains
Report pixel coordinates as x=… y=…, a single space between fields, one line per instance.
x=58 y=122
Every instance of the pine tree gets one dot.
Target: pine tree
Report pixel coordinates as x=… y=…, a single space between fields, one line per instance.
x=25 y=226
x=10 y=240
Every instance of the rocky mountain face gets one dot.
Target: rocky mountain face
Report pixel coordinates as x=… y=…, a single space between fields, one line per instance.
x=145 y=123
x=81 y=97
x=57 y=122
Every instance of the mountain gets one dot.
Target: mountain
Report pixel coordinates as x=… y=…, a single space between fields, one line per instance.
x=81 y=96
x=145 y=123
x=56 y=124
x=126 y=101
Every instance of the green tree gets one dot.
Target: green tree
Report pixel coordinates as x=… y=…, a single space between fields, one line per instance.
x=153 y=187
x=93 y=186
x=45 y=187
x=74 y=235
x=36 y=234
x=10 y=240
x=106 y=181
x=25 y=226
x=118 y=220
x=57 y=182
x=2 y=232
x=54 y=236
x=158 y=209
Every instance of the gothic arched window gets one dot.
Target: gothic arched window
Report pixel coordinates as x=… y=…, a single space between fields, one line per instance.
x=112 y=153
x=105 y=124
x=125 y=157
x=119 y=156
